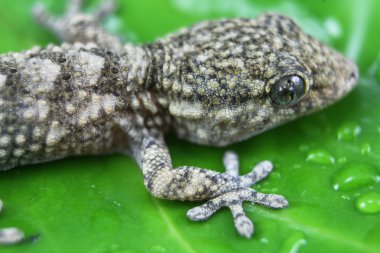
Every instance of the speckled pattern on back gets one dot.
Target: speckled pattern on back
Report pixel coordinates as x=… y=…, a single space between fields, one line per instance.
x=214 y=83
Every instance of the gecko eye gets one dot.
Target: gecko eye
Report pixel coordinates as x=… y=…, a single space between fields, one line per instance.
x=287 y=91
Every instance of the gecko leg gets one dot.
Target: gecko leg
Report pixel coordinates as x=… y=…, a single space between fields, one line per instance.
x=10 y=235
x=75 y=26
x=192 y=183
x=73 y=9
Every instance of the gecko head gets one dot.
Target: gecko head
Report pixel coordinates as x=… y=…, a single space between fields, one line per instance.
x=237 y=78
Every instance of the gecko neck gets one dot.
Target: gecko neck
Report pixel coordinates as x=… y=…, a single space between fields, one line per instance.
x=140 y=74
x=136 y=67
x=159 y=62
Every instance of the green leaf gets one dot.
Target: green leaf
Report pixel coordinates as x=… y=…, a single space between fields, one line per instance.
x=99 y=204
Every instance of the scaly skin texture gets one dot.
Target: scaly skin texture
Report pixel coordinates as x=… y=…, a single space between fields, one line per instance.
x=214 y=83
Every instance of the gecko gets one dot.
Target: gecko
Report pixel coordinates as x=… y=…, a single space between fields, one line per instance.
x=214 y=83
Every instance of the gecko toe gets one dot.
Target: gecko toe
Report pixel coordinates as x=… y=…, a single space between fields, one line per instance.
x=270 y=200
x=259 y=172
x=244 y=226
x=198 y=214
x=10 y=236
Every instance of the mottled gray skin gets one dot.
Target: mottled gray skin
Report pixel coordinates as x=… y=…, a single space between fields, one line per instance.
x=209 y=83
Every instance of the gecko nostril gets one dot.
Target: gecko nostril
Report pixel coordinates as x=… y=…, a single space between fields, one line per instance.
x=353 y=77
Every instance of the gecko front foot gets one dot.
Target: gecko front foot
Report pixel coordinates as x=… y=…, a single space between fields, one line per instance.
x=10 y=235
x=234 y=198
x=73 y=17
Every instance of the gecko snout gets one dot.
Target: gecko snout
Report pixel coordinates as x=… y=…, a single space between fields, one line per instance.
x=353 y=76
x=348 y=77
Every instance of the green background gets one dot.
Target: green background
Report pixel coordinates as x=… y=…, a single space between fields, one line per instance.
x=326 y=164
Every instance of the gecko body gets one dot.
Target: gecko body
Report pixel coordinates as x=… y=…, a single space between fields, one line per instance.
x=214 y=83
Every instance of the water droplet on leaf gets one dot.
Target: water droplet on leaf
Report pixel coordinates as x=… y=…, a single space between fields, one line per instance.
x=320 y=157
x=342 y=160
x=293 y=243
x=355 y=176
x=366 y=148
x=369 y=203
x=348 y=132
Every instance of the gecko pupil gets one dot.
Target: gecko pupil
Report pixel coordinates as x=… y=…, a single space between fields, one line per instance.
x=287 y=91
